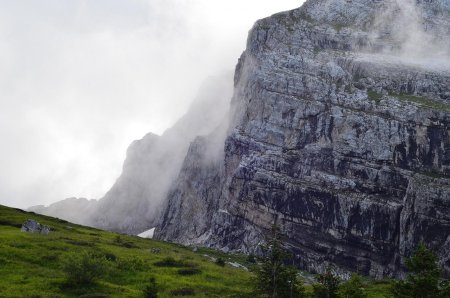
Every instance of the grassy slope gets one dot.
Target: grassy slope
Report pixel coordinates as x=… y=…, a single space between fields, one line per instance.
x=30 y=264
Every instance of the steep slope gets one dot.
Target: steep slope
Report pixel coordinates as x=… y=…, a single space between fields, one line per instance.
x=134 y=202
x=340 y=134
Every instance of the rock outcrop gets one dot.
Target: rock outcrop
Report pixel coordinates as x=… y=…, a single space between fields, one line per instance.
x=32 y=226
x=340 y=134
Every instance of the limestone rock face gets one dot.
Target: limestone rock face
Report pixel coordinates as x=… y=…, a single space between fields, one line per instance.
x=340 y=134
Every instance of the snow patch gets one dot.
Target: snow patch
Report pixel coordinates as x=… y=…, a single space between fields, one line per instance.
x=147 y=234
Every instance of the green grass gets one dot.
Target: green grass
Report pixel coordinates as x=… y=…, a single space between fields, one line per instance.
x=423 y=101
x=375 y=96
x=338 y=26
x=31 y=265
x=378 y=289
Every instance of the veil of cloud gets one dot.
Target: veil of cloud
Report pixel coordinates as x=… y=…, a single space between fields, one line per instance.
x=80 y=79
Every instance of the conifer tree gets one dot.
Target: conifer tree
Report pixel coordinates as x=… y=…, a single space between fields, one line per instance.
x=274 y=279
x=423 y=279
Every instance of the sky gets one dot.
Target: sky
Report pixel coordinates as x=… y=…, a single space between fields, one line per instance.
x=81 y=79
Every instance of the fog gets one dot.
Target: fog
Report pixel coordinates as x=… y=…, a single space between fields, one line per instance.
x=80 y=80
x=416 y=36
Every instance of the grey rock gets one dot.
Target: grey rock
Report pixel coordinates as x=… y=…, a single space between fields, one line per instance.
x=335 y=135
x=32 y=226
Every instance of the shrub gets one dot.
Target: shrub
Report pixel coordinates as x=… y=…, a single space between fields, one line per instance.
x=189 y=271
x=81 y=243
x=118 y=240
x=251 y=258
x=131 y=264
x=50 y=258
x=328 y=285
x=220 y=262
x=353 y=288
x=110 y=256
x=170 y=262
x=183 y=292
x=319 y=291
x=151 y=290
x=84 y=269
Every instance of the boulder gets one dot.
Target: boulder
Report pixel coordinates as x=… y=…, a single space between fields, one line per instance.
x=32 y=226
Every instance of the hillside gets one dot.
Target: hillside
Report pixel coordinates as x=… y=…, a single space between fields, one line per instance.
x=30 y=264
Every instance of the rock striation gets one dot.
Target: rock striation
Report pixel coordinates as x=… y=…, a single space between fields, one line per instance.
x=339 y=133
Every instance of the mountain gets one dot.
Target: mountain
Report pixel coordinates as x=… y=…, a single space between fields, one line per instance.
x=76 y=210
x=133 y=203
x=339 y=133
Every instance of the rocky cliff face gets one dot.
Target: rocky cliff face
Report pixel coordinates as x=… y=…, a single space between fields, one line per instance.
x=133 y=204
x=340 y=134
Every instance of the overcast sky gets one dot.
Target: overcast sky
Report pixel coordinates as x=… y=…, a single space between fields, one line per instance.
x=81 y=79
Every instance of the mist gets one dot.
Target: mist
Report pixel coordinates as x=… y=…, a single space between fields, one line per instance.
x=80 y=80
x=413 y=34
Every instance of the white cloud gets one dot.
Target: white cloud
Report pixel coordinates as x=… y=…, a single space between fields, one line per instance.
x=80 y=79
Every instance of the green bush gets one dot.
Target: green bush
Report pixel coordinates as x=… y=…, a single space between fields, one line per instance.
x=131 y=264
x=170 y=262
x=251 y=258
x=95 y=295
x=220 y=262
x=189 y=271
x=118 y=240
x=183 y=292
x=353 y=288
x=84 y=268
x=328 y=285
x=110 y=256
x=319 y=291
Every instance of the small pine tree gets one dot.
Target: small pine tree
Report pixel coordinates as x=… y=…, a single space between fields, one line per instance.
x=328 y=285
x=353 y=288
x=423 y=277
x=274 y=279
x=151 y=290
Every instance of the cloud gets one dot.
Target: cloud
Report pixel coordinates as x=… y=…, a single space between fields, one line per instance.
x=80 y=79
